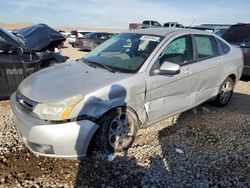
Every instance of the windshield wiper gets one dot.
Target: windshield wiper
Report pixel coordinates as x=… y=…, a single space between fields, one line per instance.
x=96 y=64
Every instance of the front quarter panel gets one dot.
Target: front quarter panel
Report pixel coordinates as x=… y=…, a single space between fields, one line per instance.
x=129 y=92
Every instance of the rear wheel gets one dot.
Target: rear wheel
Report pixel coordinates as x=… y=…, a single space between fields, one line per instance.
x=225 y=93
x=118 y=130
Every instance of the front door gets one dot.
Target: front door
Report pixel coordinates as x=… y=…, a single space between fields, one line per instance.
x=170 y=94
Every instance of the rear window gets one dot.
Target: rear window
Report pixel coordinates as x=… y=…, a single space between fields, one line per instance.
x=224 y=47
x=206 y=46
x=237 y=33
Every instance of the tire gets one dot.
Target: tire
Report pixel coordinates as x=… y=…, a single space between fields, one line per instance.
x=225 y=93
x=118 y=130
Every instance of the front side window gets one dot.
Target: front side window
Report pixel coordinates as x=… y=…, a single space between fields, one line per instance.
x=156 y=24
x=125 y=52
x=4 y=44
x=206 y=46
x=2 y=39
x=179 y=51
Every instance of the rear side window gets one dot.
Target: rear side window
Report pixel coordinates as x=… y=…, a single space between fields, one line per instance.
x=224 y=47
x=206 y=46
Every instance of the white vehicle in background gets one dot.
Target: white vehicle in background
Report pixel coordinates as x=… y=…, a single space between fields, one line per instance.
x=173 y=24
x=64 y=33
x=72 y=37
x=145 y=24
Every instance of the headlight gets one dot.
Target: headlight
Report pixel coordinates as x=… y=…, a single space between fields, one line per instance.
x=57 y=111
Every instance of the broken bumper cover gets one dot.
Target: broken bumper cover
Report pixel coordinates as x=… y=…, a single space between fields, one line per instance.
x=65 y=140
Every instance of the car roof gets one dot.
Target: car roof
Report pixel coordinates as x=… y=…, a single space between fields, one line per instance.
x=165 y=31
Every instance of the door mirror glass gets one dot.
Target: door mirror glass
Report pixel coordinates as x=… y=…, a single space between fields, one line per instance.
x=168 y=68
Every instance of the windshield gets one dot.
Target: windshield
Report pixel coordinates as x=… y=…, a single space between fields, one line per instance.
x=125 y=52
x=13 y=37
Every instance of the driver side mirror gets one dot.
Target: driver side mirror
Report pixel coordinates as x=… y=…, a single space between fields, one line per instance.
x=168 y=68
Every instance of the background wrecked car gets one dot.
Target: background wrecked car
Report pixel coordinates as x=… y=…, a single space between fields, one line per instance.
x=25 y=51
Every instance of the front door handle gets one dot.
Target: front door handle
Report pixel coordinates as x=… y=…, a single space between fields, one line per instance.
x=188 y=71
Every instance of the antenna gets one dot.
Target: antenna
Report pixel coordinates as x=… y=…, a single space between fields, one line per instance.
x=192 y=23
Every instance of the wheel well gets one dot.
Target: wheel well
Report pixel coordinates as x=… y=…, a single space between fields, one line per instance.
x=127 y=107
x=233 y=77
x=92 y=145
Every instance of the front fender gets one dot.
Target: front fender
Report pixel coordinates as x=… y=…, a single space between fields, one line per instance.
x=97 y=104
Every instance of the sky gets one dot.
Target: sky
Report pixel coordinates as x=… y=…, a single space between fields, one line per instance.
x=118 y=14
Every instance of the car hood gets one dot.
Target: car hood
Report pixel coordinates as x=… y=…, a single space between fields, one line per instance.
x=65 y=80
x=40 y=37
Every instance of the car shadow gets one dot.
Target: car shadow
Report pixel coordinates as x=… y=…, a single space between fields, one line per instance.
x=197 y=150
x=245 y=78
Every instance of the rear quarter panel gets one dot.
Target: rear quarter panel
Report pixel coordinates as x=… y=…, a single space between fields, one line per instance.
x=232 y=63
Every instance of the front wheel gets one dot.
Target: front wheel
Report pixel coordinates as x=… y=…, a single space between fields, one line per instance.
x=225 y=93
x=118 y=130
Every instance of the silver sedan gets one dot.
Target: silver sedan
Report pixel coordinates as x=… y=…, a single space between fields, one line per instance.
x=132 y=80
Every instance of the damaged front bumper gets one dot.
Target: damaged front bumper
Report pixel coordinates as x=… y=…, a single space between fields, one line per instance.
x=64 y=140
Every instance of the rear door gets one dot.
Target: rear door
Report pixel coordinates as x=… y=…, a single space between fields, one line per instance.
x=209 y=65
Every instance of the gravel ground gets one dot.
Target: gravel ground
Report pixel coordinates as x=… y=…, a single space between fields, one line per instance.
x=204 y=147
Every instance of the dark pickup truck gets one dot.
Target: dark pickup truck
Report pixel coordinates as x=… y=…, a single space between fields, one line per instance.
x=239 y=35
